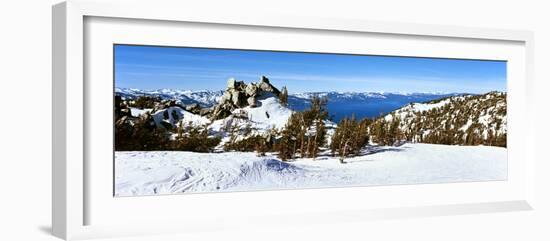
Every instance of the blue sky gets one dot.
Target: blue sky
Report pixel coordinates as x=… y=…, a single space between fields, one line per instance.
x=149 y=67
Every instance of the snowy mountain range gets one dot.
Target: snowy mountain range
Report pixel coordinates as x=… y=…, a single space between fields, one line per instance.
x=341 y=104
x=205 y=98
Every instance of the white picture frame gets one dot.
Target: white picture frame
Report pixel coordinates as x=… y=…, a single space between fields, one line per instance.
x=74 y=199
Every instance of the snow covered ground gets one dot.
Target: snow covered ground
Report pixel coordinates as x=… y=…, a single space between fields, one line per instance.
x=146 y=173
x=269 y=113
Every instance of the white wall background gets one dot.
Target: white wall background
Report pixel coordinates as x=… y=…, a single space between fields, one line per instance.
x=25 y=119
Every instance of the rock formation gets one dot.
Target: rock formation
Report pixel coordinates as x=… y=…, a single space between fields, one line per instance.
x=193 y=108
x=239 y=94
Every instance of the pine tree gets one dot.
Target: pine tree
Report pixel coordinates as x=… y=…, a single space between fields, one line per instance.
x=301 y=135
x=350 y=137
x=345 y=138
x=314 y=118
x=283 y=96
x=379 y=132
x=290 y=137
x=261 y=147
x=394 y=134
x=501 y=140
x=194 y=138
x=319 y=138
x=305 y=132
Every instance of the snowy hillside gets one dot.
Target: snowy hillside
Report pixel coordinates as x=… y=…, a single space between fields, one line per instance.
x=268 y=114
x=465 y=119
x=175 y=115
x=145 y=173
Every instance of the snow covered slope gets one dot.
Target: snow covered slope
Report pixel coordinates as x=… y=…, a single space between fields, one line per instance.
x=269 y=113
x=145 y=173
x=466 y=119
x=176 y=115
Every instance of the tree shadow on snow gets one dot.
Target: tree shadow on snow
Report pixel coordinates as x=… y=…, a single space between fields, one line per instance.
x=376 y=150
x=371 y=150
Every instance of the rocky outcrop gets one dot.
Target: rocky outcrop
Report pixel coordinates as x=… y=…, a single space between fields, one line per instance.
x=193 y=108
x=205 y=111
x=264 y=85
x=166 y=104
x=121 y=109
x=239 y=94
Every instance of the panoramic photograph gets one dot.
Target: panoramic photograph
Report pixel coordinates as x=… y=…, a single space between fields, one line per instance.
x=203 y=120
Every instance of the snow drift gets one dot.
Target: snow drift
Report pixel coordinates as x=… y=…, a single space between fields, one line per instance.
x=147 y=173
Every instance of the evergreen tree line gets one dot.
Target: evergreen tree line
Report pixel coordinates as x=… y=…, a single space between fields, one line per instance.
x=305 y=132
x=457 y=123
x=141 y=134
x=254 y=143
x=350 y=137
x=245 y=141
x=387 y=132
